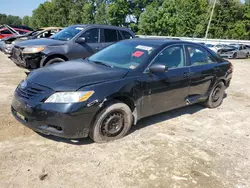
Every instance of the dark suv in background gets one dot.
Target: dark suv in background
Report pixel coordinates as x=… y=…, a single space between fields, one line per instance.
x=77 y=41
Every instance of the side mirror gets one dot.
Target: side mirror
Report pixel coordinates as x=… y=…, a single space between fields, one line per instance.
x=158 y=68
x=81 y=40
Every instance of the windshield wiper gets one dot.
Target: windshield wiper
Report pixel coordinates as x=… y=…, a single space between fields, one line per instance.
x=101 y=63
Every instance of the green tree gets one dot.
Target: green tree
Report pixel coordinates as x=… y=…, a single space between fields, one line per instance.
x=42 y=16
x=175 y=18
x=88 y=13
x=101 y=12
x=75 y=13
x=227 y=14
x=26 y=20
x=117 y=12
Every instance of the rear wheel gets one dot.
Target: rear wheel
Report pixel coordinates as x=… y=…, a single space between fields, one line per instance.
x=112 y=123
x=216 y=96
x=54 y=60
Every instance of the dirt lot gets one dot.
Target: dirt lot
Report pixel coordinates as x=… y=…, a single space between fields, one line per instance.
x=189 y=147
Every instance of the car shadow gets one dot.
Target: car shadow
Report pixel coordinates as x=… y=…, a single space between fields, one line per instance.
x=79 y=141
x=151 y=120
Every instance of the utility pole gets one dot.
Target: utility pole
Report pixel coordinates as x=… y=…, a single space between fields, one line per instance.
x=210 y=19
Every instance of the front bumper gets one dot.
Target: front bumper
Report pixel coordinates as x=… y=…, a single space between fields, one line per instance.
x=228 y=56
x=28 y=61
x=54 y=119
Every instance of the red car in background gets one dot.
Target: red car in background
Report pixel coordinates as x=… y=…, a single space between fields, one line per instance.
x=6 y=32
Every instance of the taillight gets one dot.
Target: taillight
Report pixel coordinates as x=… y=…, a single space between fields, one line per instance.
x=231 y=68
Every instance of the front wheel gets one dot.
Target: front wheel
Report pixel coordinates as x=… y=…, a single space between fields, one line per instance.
x=54 y=60
x=112 y=123
x=216 y=96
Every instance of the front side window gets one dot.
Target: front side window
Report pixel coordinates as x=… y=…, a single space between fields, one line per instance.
x=91 y=35
x=110 y=35
x=198 y=56
x=172 y=57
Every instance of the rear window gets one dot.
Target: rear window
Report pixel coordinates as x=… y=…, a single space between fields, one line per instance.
x=127 y=35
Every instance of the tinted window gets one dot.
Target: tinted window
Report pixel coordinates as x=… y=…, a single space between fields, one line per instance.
x=91 y=36
x=172 y=57
x=110 y=35
x=5 y=32
x=127 y=35
x=199 y=56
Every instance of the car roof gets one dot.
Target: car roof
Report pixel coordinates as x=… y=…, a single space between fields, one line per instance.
x=162 y=41
x=100 y=25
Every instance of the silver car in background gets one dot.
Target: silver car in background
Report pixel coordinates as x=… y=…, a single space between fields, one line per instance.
x=234 y=52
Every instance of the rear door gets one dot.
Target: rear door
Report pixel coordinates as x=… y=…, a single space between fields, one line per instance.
x=203 y=71
x=85 y=49
x=110 y=36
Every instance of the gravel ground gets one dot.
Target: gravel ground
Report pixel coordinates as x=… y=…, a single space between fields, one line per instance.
x=189 y=147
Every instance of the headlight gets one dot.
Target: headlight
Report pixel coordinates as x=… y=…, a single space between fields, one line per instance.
x=69 y=97
x=34 y=49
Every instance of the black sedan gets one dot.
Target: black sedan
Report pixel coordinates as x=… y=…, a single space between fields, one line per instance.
x=104 y=95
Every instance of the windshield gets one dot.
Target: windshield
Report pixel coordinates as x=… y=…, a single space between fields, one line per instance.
x=127 y=55
x=33 y=33
x=67 y=33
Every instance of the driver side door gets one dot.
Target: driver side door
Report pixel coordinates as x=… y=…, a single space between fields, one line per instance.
x=168 y=90
x=85 y=49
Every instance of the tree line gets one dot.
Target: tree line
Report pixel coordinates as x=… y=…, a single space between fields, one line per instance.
x=180 y=18
x=10 y=20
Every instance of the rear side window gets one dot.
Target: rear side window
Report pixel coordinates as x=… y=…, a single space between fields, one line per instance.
x=127 y=35
x=199 y=56
x=110 y=35
x=91 y=35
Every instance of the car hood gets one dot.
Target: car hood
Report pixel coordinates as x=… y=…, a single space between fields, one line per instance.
x=224 y=50
x=41 y=42
x=72 y=75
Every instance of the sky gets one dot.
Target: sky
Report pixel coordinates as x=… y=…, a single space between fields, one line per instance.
x=19 y=7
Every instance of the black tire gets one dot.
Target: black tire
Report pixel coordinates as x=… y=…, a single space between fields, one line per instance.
x=216 y=96
x=113 y=122
x=54 y=60
x=247 y=55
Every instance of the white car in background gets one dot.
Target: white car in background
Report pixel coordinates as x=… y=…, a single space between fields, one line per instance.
x=216 y=47
x=234 y=52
